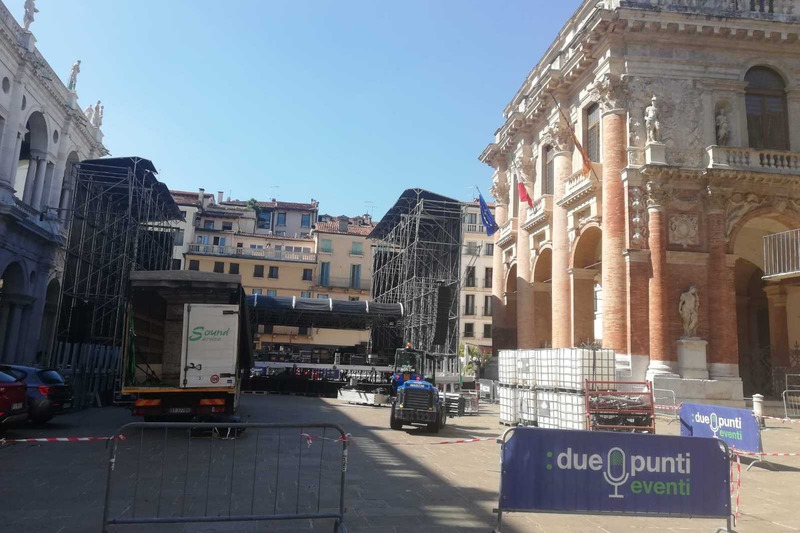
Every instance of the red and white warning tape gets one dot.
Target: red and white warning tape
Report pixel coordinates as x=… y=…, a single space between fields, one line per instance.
x=61 y=439
x=312 y=438
x=784 y=420
x=766 y=454
x=667 y=407
x=736 y=486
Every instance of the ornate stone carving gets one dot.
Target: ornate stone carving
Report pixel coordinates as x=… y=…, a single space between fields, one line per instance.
x=689 y=309
x=610 y=92
x=738 y=206
x=652 y=122
x=781 y=203
x=558 y=136
x=683 y=230
x=499 y=189
x=723 y=127
x=638 y=214
x=657 y=195
x=524 y=166
x=634 y=132
x=716 y=198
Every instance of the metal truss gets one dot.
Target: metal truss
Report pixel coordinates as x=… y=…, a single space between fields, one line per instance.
x=418 y=250
x=121 y=219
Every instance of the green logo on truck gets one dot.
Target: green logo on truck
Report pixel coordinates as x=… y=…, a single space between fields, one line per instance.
x=200 y=332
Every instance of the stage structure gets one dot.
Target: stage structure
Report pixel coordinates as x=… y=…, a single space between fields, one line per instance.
x=416 y=262
x=122 y=219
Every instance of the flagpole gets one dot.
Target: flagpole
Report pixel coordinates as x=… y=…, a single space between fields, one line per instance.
x=569 y=124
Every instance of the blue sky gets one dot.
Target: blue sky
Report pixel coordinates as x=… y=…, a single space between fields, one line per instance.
x=348 y=102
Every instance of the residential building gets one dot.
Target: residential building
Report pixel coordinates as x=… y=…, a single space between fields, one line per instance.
x=689 y=117
x=43 y=133
x=477 y=250
x=190 y=203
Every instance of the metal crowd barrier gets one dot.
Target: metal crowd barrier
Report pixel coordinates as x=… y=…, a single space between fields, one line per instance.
x=224 y=472
x=791 y=403
x=666 y=405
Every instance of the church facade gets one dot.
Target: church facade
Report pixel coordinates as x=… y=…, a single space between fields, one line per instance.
x=649 y=238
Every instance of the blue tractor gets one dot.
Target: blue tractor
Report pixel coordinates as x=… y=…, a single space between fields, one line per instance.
x=416 y=400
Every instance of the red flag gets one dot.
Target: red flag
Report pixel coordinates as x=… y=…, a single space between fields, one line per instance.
x=523 y=194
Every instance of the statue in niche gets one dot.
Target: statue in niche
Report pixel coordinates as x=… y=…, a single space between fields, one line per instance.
x=652 y=122
x=723 y=128
x=73 y=76
x=30 y=9
x=689 y=309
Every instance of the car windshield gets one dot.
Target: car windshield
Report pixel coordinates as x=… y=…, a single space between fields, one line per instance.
x=7 y=378
x=407 y=361
x=51 y=377
x=17 y=374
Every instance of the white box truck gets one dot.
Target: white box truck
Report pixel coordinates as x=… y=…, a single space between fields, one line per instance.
x=187 y=346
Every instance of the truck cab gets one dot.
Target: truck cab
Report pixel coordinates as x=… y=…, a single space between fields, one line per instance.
x=415 y=398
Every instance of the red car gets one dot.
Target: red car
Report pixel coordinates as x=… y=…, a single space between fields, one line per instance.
x=13 y=401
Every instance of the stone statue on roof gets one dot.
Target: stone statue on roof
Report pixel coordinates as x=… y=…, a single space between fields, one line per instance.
x=89 y=112
x=73 y=76
x=97 y=115
x=30 y=9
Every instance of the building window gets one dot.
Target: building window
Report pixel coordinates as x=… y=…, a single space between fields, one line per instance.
x=280 y=233
x=305 y=294
x=208 y=224
x=219 y=241
x=469 y=306
x=227 y=226
x=549 y=170
x=355 y=276
x=273 y=272
x=487 y=280
x=325 y=274
x=469 y=276
x=326 y=246
x=593 y=132
x=257 y=291
x=179 y=237
x=473 y=248
x=176 y=264
x=233 y=268
x=357 y=248
x=469 y=330
x=202 y=239
x=264 y=219
x=305 y=220
x=307 y=274
x=194 y=264
x=272 y=292
x=487 y=306
x=258 y=271
x=489 y=247
x=765 y=98
x=303 y=330
x=487 y=331
x=322 y=296
x=219 y=267
x=472 y=219
x=281 y=219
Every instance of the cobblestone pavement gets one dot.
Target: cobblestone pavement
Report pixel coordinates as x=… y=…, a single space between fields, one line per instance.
x=397 y=480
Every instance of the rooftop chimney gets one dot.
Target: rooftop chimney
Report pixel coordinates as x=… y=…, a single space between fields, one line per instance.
x=219 y=197
x=201 y=195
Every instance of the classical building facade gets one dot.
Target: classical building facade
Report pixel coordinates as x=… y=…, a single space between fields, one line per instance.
x=477 y=251
x=690 y=115
x=43 y=133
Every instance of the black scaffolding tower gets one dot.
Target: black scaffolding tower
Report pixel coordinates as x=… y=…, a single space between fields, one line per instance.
x=121 y=219
x=416 y=262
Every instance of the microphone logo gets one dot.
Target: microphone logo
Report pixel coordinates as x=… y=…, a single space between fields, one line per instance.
x=616 y=473
x=713 y=424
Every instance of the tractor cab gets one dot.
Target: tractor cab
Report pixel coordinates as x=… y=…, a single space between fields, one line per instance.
x=412 y=365
x=415 y=398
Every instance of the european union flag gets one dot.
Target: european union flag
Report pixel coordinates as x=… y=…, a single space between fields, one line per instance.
x=486 y=217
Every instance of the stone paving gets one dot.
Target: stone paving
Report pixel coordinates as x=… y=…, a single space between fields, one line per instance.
x=397 y=480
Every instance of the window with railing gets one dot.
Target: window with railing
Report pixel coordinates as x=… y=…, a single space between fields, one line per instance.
x=469 y=305
x=355 y=276
x=469 y=277
x=487 y=306
x=765 y=100
x=325 y=274
x=487 y=280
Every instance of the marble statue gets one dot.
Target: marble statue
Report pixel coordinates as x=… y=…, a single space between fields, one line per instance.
x=689 y=308
x=100 y=116
x=73 y=76
x=96 y=115
x=723 y=129
x=89 y=112
x=30 y=9
x=652 y=122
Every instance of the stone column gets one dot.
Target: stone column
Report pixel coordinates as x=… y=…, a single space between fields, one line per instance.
x=778 y=326
x=723 y=356
x=662 y=360
x=30 y=180
x=525 y=308
x=561 y=293
x=38 y=187
x=614 y=281
x=47 y=189
x=542 y=314
x=499 y=327
x=582 y=286
x=13 y=334
x=10 y=146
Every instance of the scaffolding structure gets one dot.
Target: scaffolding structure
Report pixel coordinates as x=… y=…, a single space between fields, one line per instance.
x=121 y=219
x=416 y=262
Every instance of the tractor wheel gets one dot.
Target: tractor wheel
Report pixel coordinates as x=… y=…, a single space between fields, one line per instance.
x=393 y=422
x=433 y=427
x=443 y=419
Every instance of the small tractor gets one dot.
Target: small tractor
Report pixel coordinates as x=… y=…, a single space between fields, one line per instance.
x=415 y=398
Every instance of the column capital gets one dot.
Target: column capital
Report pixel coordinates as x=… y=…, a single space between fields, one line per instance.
x=657 y=195
x=611 y=91
x=582 y=273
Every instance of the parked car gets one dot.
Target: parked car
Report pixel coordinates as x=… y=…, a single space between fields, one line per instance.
x=48 y=393
x=13 y=407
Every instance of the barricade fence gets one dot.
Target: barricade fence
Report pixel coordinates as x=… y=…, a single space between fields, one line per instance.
x=791 y=403
x=224 y=472
x=90 y=369
x=666 y=404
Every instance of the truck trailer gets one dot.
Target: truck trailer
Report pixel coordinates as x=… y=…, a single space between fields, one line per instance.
x=188 y=344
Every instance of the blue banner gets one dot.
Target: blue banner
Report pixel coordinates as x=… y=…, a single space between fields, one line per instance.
x=600 y=472
x=737 y=427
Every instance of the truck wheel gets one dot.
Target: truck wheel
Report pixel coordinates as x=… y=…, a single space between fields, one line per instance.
x=393 y=422
x=443 y=419
x=434 y=426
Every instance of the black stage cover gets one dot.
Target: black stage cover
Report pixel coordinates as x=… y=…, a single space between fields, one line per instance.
x=320 y=313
